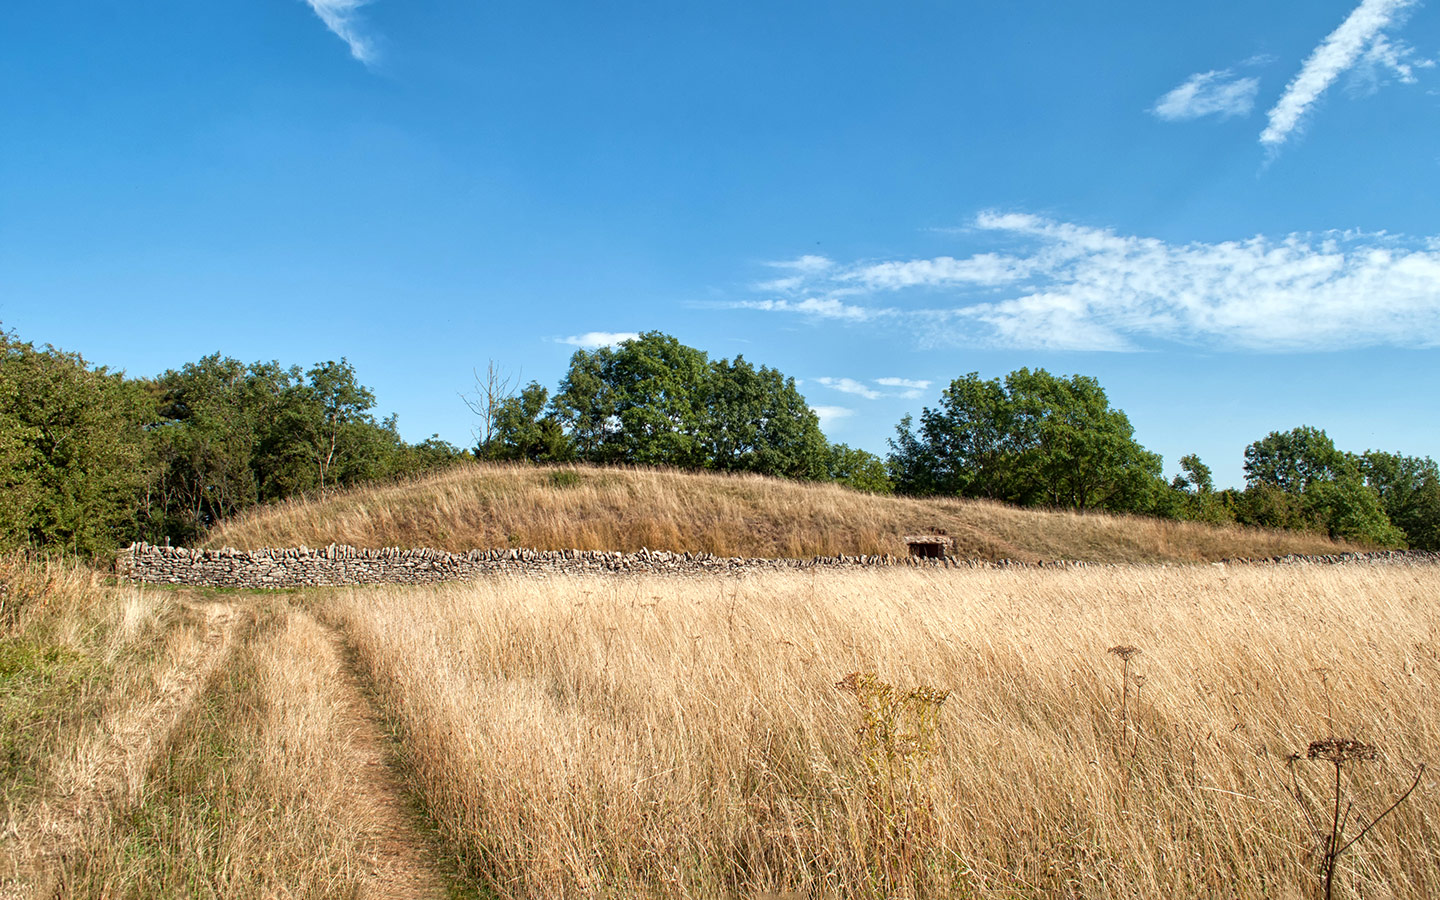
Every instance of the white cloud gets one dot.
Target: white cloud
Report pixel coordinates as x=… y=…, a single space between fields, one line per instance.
x=1215 y=93
x=914 y=388
x=830 y=414
x=986 y=268
x=808 y=264
x=340 y=16
x=1396 y=58
x=916 y=384
x=1340 y=50
x=817 y=307
x=851 y=386
x=592 y=340
x=1088 y=288
x=801 y=268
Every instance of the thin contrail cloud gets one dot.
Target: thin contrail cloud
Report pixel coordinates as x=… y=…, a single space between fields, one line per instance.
x=340 y=17
x=1337 y=53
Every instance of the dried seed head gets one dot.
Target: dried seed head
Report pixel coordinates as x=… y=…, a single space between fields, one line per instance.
x=928 y=695
x=1124 y=651
x=1340 y=750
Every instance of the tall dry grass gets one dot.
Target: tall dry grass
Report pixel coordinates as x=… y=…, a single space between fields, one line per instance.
x=73 y=652
x=730 y=515
x=651 y=737
x=254 y=798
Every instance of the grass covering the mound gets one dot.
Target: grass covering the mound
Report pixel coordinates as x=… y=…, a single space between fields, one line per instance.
x=490 y=505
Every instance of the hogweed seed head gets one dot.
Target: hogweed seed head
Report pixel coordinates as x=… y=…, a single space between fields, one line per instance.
x=1340 y=750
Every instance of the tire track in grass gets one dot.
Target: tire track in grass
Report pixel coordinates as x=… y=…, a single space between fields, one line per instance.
x=107 y=772
x=401 y=859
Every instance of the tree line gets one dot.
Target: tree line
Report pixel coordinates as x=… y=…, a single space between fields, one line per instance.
x=1035 y=439
x=1029 y=439
x=91 y=459
x=655 y=401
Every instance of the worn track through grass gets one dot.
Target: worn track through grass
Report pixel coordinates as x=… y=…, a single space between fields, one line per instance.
x=123 y=771
x=107 y=772
x=400 y=859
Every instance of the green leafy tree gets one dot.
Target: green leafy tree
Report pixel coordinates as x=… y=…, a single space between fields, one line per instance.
x=524 y=430
x=1348 y=508
x=1034 y=439
x=1293 y=460
x=757 y=421
x=72 y=450
x=1194 y=496
x=1074 y=450
x=973 y=439
x=429 y=455
x=654 y=401
x=213 y=415
x=323 y=434
x=1409 y=491
x=1298 y=479
x=912 y=464
x=1196 y=476
x=859 y=469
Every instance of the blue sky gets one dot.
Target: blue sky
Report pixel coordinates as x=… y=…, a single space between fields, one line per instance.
x=1225 y=211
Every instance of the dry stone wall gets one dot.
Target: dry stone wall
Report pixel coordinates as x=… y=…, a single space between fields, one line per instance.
x=342 y=565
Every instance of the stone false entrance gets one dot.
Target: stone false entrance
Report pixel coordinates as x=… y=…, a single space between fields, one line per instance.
x=929 y=546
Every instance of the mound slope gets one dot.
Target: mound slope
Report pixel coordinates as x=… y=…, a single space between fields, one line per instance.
x=488 y=505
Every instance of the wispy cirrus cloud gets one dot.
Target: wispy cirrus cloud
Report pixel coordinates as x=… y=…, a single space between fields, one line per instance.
x=1218 y=92
x=830 y=414
x=912 y=383
x=910 y=388
x=1078 y=287
x=1385 y=57
x=851 y=386
x=818 y=307
x=341 y=17
x=913 y=387
x=593 y=340
x=1359 y=37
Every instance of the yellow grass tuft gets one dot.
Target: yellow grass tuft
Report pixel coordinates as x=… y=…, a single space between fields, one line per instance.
x=488 y=505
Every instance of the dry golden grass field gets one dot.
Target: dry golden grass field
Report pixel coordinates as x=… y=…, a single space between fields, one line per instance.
x=649 y=737
x=559 y=508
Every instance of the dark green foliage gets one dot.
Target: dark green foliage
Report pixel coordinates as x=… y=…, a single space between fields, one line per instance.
x=214 y=415
x=1193 y=496
x=1293 y=460
x=642 y=402
x=430 y=455
x=323 y=435
x=654 y=401
x=90 y=460
x=1197 y=475
x=757 y=421
x=523 y=429
x=72 y=450
x=1409 y=491
x=1298 y=479
x=1035 y=439
x=1347 y=508
x=859 y=469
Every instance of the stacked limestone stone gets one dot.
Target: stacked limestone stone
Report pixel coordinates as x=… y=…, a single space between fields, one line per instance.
x=342 y=565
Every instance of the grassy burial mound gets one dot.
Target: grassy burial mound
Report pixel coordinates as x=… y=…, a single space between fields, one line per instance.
x=558 y=508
